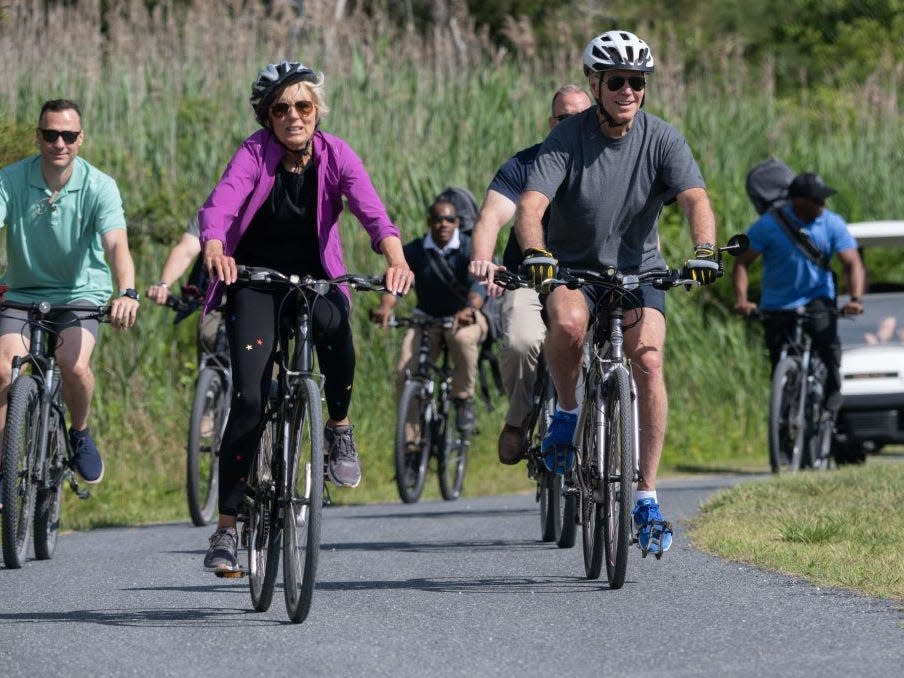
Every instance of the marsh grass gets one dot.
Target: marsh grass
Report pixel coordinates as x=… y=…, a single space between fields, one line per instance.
x=164 y=95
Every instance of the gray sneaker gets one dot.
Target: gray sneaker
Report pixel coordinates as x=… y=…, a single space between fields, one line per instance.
x=343 y=468
x=222 y=556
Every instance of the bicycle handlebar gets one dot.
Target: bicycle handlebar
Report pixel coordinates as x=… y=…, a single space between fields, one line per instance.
x=445 y=322
x=573 y=278
x=44 y=307
x=269 y=276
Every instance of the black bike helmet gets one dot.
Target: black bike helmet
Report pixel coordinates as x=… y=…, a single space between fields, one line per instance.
x=270 y=79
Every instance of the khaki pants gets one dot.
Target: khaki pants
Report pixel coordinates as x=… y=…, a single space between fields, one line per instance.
x=464 y=349
x=523 y=333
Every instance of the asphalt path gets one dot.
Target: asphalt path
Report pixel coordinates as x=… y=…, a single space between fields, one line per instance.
x=459 y=588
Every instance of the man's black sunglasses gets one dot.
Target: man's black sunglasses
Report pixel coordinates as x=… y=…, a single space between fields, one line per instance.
x=448 y=218
x=637 y=83
x=51 y=135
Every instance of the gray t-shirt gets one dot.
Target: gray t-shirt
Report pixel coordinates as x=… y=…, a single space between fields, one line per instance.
x=606 y=194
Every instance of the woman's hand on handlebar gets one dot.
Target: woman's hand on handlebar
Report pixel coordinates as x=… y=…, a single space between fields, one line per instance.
x=744 y=308
x=398 y=279
x=219 y=265
x=158 y=293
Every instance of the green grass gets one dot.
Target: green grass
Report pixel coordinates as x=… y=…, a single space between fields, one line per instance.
x=841 y=528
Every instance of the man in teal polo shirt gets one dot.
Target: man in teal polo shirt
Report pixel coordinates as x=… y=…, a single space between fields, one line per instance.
x=64 y=221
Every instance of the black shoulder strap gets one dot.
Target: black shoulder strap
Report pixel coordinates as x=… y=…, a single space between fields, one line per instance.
x=801 y=239
x=441 y=267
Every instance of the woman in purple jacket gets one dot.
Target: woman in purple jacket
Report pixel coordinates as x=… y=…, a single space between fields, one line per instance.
x=277 y=205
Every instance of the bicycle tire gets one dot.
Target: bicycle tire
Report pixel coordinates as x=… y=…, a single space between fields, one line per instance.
x=303 y=509
x=786 y=432
x=550 y=489
x=205 y=430
x=570 y=518
x=452 y=451
x=20 y=442
x=618 y=462
x=264 y=530
x=413 y=417
x=591 y=466
x=48 y=502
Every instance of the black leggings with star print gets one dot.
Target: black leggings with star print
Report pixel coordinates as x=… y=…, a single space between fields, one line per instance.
x=253 y=317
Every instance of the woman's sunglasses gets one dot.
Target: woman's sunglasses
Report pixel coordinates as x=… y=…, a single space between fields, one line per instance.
x=51 y=135
x=280 y=109
x=615 y=83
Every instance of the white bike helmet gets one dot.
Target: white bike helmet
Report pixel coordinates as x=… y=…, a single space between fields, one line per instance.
x=617 y=50
x=272 y=78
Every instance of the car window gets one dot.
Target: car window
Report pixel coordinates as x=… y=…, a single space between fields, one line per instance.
x=882 y=322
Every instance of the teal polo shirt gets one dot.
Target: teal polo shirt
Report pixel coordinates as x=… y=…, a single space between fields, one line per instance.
x=54 y=250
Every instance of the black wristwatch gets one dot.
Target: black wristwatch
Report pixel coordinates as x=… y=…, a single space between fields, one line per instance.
x=129 y=292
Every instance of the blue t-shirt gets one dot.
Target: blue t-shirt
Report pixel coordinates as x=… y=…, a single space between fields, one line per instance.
x=510 y=181
x=790 y=279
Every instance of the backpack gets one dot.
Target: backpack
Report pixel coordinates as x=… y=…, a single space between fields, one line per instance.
x=767 y=184
x=465 y=206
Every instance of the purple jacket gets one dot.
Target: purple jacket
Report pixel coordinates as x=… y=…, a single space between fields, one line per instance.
x=249 y=178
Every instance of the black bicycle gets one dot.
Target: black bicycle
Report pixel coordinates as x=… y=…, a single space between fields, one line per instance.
x=209 y=412
x=425 y=422
x=37 y=457
x=800 y=428
x=285 y=488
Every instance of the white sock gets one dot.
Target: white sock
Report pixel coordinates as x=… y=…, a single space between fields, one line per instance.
x=645 y=494
x=574 y=411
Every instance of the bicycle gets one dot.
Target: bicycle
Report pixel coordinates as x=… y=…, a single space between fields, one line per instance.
x=209 y=412
x=423 y=419
x=285 y=489
x=800 y=429
x=37 y=456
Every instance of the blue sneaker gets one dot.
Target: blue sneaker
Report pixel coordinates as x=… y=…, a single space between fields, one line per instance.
x=88 y=463
x=558 y=443
x=654 y=533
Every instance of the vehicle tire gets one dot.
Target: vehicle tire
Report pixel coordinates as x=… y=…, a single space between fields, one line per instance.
x=453 y=460
x=592 y=507
x=205 y=431
x=786 y=430
x=413 y=439
x=618 y=462
x=302 y=515
x=20 y=454
x=264 y=529
x=48 y=502
x=550 y=505
x=848 y=452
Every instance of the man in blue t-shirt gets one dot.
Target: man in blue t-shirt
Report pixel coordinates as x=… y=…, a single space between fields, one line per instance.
x=792 y=279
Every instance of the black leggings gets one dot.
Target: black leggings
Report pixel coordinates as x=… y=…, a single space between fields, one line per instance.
x=253 y=318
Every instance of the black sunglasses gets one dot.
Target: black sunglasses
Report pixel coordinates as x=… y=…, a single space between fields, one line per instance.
x=51 y=135
x=637 y=82
x=448 y=218
x=281 y=108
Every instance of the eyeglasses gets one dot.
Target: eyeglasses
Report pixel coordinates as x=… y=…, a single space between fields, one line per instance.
x=561 y=116
x=448 y=218
x=281 y=108
x=637 y=83
x=51 y=135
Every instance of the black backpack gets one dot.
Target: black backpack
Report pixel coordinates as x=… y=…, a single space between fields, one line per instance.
x=767 y=184
x=465 y=206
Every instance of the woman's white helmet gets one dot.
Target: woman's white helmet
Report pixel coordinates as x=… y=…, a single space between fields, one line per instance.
x=617 y=50
x=270 y=79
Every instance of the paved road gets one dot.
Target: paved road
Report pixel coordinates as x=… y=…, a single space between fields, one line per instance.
x=434 y=589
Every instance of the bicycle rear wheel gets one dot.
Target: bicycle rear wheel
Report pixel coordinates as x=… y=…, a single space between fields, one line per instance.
x=591 y=469
x=49 y=499
x=413 y=440
x=302 y=509
x=20 y=455
x=786 y=430
x=264 y=532
x=453 y=459
x=618 y=476
x=205 y=429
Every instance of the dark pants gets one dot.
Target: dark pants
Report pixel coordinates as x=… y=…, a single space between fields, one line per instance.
x=779 y=330
x=253 y=318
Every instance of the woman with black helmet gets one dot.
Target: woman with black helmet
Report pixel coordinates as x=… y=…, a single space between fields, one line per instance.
x=277 y=205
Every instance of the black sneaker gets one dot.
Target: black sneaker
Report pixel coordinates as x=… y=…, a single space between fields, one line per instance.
x=343 y=468
x=222 y=554
x=88 y=463
x=465 y=417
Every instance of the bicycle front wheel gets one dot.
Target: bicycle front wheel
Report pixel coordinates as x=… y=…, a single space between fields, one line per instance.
x=303 y=507
x=413 y=440
x=591 y=469
x=618 y=475
x=786 y=429
x=264 y=532
x=49 y=498
x=205 y=429
x=453 y=458
x=20 y=455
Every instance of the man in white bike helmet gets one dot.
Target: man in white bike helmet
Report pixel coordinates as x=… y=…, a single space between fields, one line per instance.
x=605 y=175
